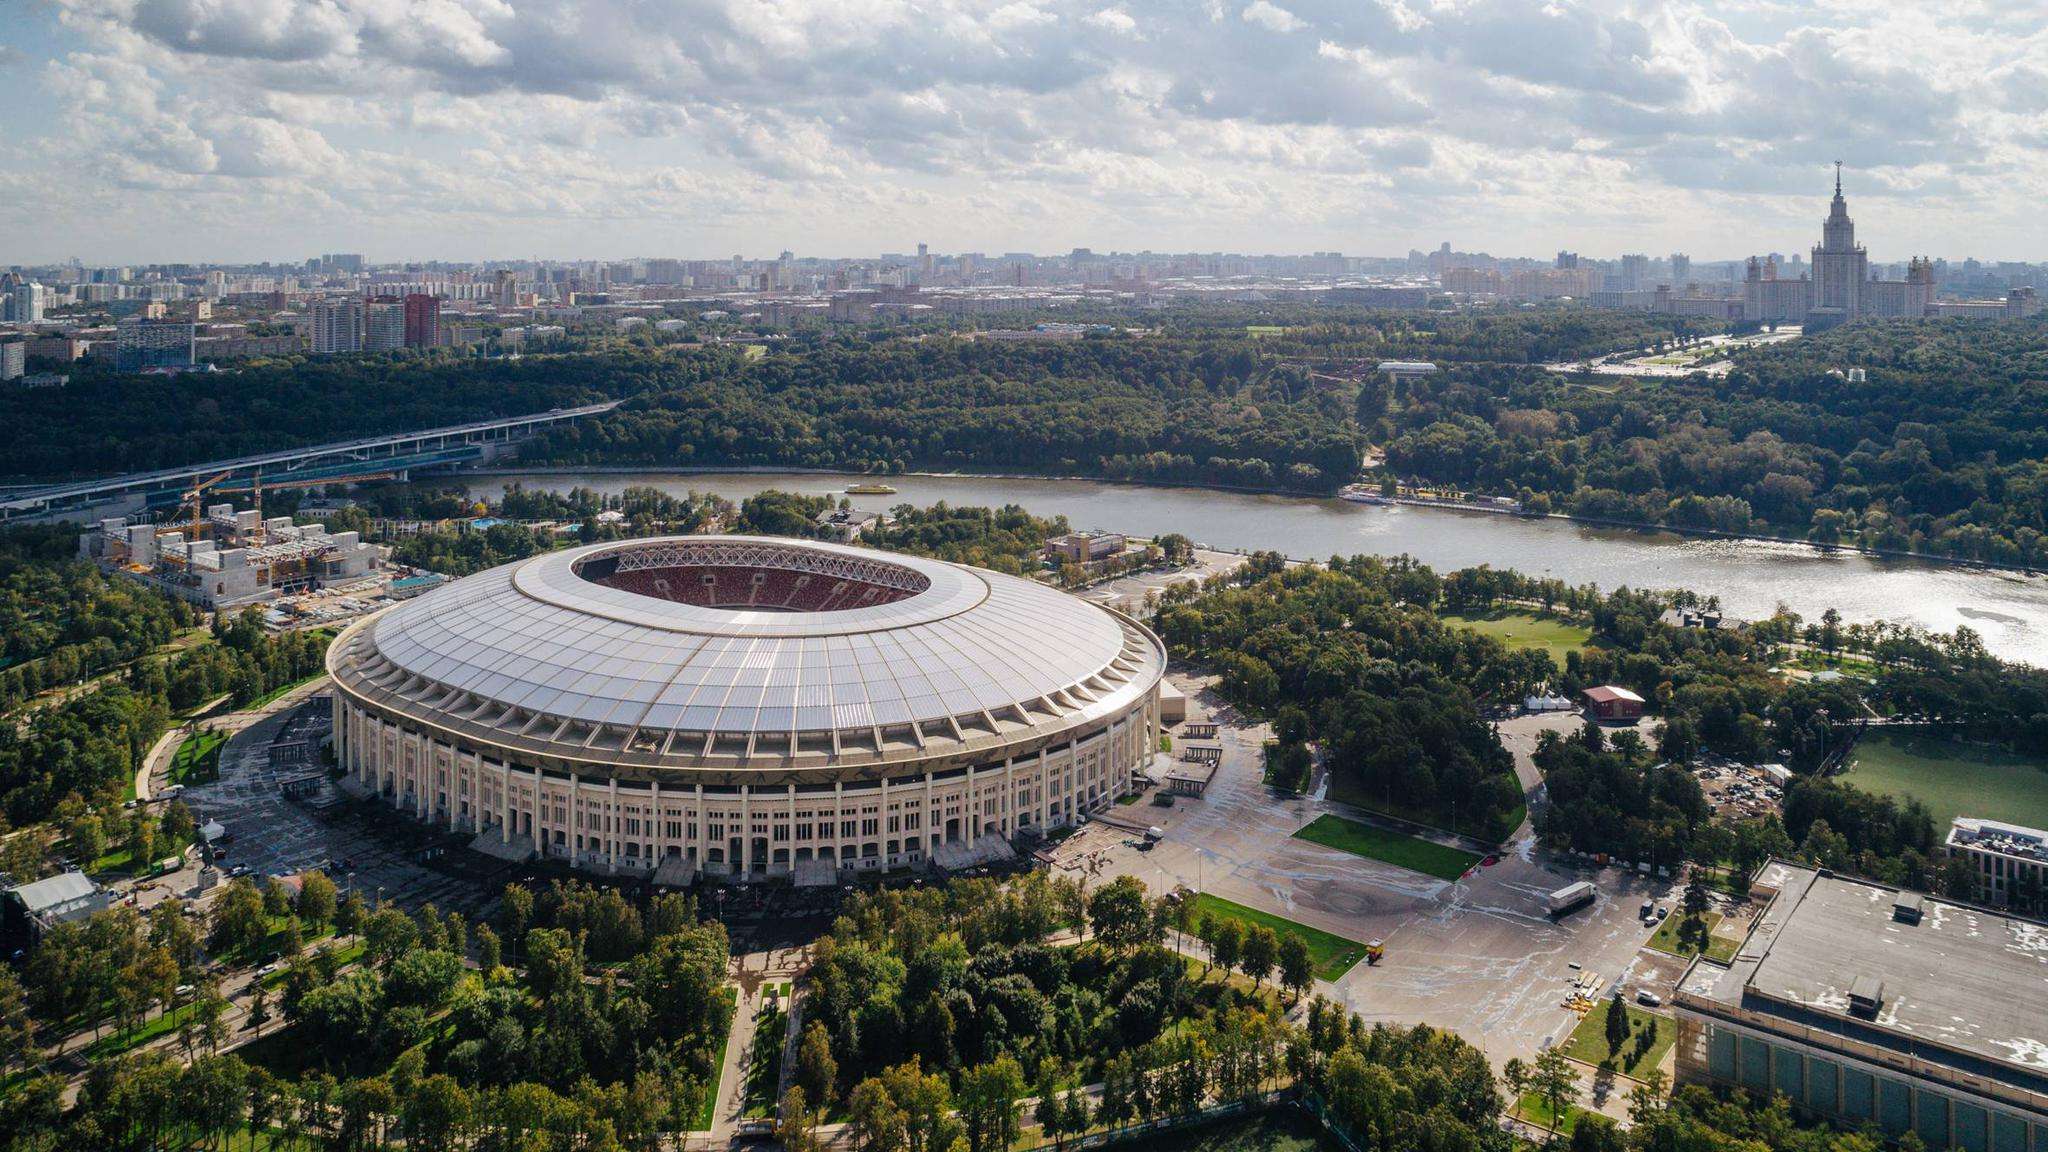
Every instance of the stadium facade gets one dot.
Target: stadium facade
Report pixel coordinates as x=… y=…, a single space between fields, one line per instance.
x=745 y=707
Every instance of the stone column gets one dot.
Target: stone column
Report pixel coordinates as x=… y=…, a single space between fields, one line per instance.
x=612 y=828
x=660 y=822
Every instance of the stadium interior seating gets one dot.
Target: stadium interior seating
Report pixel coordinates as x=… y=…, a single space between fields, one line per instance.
x=760 y=589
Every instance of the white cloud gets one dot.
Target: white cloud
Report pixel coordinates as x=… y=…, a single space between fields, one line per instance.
x=1271 y=17
x=715 y=125
x=1115 y=20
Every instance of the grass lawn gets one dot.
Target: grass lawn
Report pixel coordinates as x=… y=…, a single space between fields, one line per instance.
x=707 y=1111
x=272 y=695
x=1588 y=1041
x=1718 y=947
x=1532 y=1108
x=1348 y=790
x=114 y=1042
x=1952 y=778
x=1394 y=848
x=1333 y=954
x=1522 y=630
x=764 y=1063
x=197 y=760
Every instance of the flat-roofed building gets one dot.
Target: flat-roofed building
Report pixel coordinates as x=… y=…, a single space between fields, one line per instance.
x=2009 y=861
x=29 y=910
x=1867 y=1005
x=1085 y=547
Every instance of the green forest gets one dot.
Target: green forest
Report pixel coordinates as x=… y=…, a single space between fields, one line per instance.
x=1942 y=448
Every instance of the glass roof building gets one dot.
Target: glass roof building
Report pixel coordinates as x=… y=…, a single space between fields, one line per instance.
x=690 y=700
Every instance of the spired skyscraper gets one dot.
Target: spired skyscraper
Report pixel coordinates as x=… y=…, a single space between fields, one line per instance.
x=1841 y=267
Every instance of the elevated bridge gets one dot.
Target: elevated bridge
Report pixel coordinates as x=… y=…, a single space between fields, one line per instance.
x=395 y=454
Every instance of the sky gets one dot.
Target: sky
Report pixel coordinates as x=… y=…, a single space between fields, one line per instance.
x=227 y=130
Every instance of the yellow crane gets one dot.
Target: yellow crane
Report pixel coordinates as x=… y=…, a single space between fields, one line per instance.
x=192 y=496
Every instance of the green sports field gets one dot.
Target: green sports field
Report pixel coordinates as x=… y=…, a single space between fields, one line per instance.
x=1521 y=630
x=1952 y=778
x=1402 y=851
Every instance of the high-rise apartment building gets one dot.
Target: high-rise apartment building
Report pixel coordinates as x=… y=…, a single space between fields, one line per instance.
x=141 y=342
x=384 y=324
x=337 y=325
x=508 y=290
x=24 y=303
x=13 y=359
x=422 y=320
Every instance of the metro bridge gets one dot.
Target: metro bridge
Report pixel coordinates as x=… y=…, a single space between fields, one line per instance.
x=394 y=454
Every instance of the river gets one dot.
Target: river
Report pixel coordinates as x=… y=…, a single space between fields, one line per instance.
x=2008 y=610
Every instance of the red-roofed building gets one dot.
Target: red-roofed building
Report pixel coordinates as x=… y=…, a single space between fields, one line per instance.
x=1609 y=702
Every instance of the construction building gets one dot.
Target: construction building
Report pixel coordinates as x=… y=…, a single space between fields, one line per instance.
x=229 y=559
x=1866 y=1005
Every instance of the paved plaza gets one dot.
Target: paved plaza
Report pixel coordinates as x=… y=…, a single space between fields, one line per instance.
x=276 y=836
x=1478 y=955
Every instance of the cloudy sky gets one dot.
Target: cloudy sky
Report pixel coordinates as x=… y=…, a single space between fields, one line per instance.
x=144 y=130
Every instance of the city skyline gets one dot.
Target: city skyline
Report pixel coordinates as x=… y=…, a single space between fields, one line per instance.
x=244 y=130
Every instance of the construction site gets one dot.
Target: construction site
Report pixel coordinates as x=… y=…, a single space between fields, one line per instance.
x=225 y=559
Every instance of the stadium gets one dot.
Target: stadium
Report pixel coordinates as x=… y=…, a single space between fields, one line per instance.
x=745 y=707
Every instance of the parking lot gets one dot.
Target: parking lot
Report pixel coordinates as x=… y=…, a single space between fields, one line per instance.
x=1479 y=955
x=275 y=836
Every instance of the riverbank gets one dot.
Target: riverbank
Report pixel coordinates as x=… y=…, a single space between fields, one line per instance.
x=1752 y=578
x=1284 y=493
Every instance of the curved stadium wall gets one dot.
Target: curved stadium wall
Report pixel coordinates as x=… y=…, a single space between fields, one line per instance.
x=741 y=705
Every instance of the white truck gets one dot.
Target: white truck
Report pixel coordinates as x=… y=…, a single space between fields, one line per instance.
x=1571 y=896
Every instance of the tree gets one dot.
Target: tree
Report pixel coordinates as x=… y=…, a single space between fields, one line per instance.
x=1119 y=1091
x=1121 y=915
x=988 y=1104
x=1554 y=1083
x=210 y=1095
x=17 y=1028
x=435 y=1114
x=1297 y=966
x=488 y=951
x=1225 y=940
x=516 y=907
x=316 y=903
x=796 y=1125
x=1597 y=1133
x=873 y=1119
x=387 y=935
x=238 y=925
x=350 y=914
x=1693 y=934
x=1075 y=1117
x=816 y=1070
x=1261 y=952
x=1048 y=1110
x=927 y=1104
x=1646 y=1099
x=1616 y=1024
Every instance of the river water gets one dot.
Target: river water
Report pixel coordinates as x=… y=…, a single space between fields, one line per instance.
x=2008 y=610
